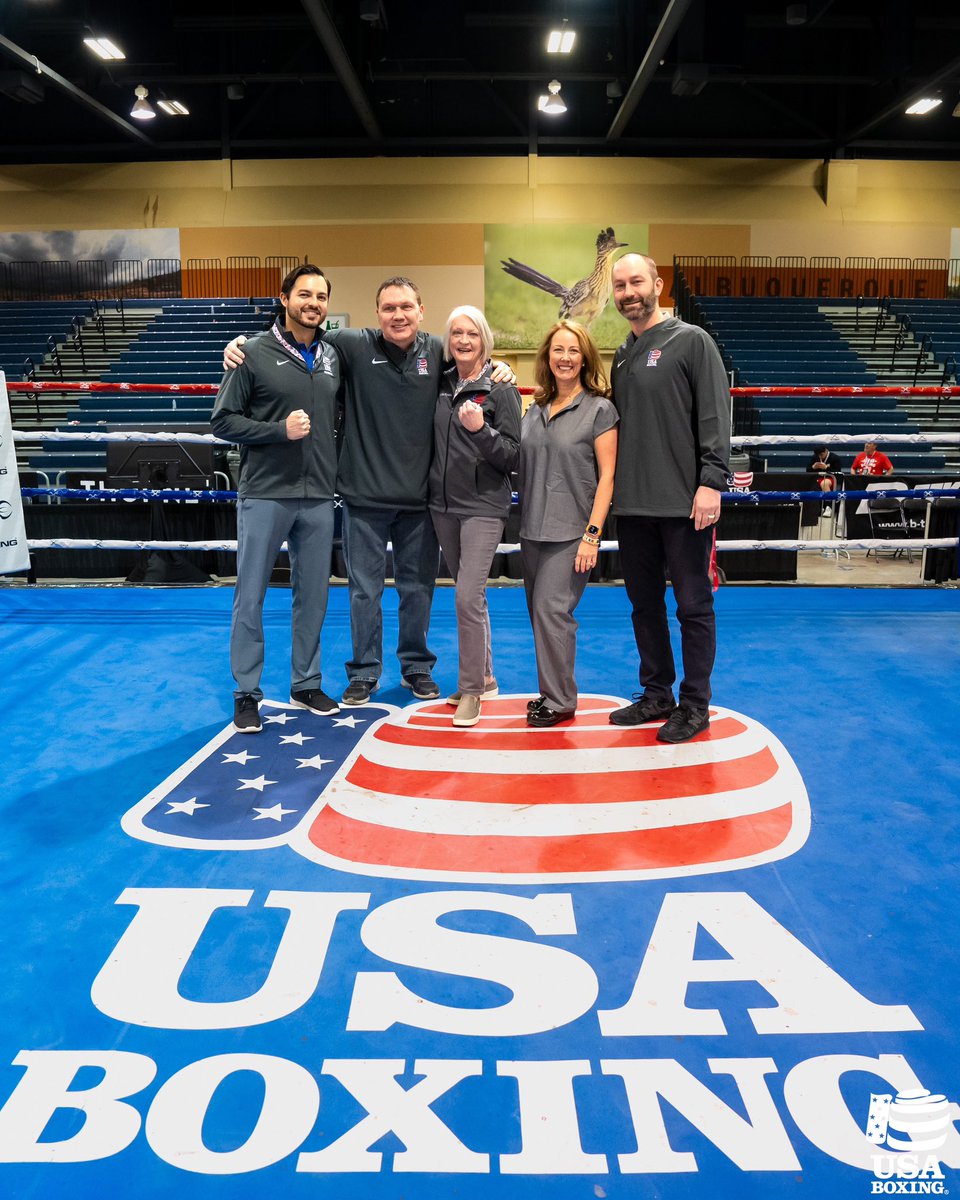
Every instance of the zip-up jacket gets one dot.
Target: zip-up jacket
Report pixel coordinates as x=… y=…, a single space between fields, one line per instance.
x=470 y=476
x=388 y=418
x=671 y=391
x=252 y=407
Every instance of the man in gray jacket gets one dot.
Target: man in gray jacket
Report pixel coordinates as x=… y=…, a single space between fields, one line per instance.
x=281 y=407
x=671 y=391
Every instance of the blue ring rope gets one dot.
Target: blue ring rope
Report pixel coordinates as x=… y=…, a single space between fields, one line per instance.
x=920 y=493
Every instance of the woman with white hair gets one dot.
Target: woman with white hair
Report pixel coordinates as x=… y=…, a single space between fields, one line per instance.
x=476 y=432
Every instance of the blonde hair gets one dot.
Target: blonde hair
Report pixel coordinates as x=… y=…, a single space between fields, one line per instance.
x=593 y=378
x=477 y=317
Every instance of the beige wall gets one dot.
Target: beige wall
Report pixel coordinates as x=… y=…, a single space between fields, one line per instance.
x=365 y=219
x=801 y=206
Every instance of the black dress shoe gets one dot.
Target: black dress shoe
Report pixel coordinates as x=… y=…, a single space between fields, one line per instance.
x=533 y=705
x=543 y=716
x=683 y=724
x=644 y=709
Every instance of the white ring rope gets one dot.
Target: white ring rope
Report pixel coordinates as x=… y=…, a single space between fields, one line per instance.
x=829 y=439
x=62 y=435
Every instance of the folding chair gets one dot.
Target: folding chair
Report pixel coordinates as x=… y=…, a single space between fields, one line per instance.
x=887 y=504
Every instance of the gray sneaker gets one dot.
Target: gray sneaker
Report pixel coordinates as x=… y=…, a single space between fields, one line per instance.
x=422 y=686
x=315 y=701
x=359 y=691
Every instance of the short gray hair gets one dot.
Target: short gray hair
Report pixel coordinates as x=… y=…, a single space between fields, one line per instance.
x=477 y=317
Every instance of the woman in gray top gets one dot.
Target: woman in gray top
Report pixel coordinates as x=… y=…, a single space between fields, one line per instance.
x=476 y=444
x=568 y=453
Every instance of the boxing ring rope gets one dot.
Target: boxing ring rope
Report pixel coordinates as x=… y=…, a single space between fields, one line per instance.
x=738 y=497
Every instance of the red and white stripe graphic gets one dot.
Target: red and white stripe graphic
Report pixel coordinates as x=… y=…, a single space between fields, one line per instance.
x=582 y=801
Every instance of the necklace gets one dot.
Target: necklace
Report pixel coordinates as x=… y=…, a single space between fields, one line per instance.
x=462 y=383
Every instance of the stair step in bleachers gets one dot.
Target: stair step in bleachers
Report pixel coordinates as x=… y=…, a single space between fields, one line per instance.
x=150 y=342
x=801 y=342
x=912 y=461
x=939 y=320
x=26 y=330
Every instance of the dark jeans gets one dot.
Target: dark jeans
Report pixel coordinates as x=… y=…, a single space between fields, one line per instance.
x=416 y=557
x=651 y=547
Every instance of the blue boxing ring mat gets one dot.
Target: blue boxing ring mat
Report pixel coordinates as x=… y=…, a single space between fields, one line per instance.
x=373 y=957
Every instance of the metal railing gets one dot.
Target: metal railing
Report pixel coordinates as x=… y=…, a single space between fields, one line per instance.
x=165 y=278
x=754 y=276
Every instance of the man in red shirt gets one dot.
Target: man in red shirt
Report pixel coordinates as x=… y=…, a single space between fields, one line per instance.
x=872 y=461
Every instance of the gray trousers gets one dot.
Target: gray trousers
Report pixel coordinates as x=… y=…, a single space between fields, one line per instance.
x=468 y=545
x=262 y=527
x=553 y=590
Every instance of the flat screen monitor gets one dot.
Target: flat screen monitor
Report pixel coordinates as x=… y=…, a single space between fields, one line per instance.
x=161 y=464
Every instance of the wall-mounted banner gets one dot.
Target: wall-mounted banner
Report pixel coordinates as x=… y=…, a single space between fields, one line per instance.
x=533 y=274
x=14 y=554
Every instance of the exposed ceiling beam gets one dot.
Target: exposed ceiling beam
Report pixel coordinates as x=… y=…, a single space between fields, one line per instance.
x=33 y=64
x=326 y=31
x=897 y=106
x=670 y=23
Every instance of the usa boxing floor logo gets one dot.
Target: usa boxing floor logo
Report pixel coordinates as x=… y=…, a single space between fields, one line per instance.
x=402 y=793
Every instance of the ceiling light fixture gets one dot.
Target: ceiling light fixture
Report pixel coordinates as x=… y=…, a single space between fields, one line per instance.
x=560 y=41
x=552 y=103
x=920 y=108
x=173 y=108
x=104 y=48
x=142 y=109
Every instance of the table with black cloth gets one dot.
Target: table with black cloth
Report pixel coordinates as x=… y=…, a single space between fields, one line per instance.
x=943 y=521
x=140 y=520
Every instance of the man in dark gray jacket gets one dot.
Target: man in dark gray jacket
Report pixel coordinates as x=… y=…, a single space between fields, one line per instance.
x=671 y=391
x=281 y=407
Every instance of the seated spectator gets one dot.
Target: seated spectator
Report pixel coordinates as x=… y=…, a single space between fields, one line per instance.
x=825 y=461
x=871 y=461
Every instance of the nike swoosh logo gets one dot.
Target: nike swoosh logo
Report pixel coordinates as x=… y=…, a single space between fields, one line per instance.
x=282 y=362
x=621 y=362
x=375 y=361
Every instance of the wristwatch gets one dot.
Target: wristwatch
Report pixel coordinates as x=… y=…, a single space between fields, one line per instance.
x=594 y=530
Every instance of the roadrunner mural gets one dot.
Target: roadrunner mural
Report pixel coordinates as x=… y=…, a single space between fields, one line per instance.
x=585 y=300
